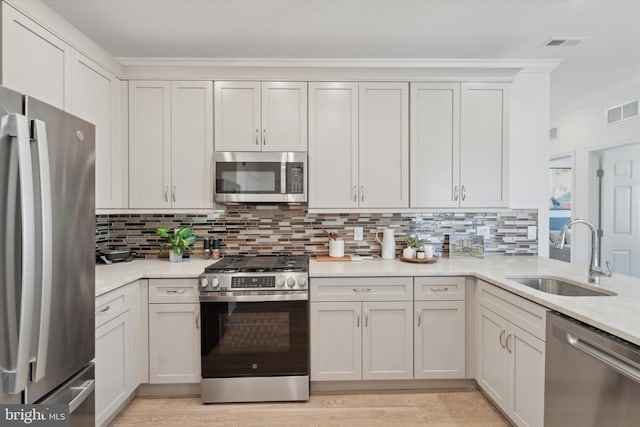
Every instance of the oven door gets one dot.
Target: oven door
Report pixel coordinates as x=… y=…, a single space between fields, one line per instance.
x=253 y=339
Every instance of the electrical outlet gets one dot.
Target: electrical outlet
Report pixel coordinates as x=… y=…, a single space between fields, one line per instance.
x=357 y=233
x=532 y=232
x=483 y=230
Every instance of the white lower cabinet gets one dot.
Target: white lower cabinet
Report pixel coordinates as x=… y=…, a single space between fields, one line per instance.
x=116 y=361
x=361 y=328
x=174 y=331
x=510 y=360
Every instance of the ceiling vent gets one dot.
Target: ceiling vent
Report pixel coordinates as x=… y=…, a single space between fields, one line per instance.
x=563 y=41
x=553 y=133
x=622 y=112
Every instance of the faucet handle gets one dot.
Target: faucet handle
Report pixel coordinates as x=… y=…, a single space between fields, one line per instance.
x=608 y=270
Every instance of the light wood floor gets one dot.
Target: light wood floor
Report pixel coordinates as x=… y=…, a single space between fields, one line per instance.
x=396 y=408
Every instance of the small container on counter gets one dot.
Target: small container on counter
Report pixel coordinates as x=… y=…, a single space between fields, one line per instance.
x=207 y=247
x=420 y=254
x=215 y=248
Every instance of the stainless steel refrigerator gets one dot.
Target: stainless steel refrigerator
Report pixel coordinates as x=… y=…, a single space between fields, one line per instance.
x=47 y=261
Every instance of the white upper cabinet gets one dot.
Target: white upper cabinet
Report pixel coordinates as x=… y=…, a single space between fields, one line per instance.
x=333 y=145
x=435 y=144
x=192 y=144
x=358 y=145
x=255 y=116
x=170 y=144
x=384 y=145
x=484 y=134
x=34 y=61
x=459 y=141
x=96 y=96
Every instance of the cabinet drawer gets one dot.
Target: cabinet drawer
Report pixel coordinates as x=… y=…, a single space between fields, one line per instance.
x=173 y=290
x=521 y=312
x=439 y=288
x=112 y=304
x=361 y=289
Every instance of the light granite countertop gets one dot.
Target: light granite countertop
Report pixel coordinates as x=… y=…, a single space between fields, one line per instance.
x=618 y=315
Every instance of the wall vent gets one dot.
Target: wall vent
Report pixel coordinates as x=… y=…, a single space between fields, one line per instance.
x=553 y=133
x=563 y=41
x=622 y=112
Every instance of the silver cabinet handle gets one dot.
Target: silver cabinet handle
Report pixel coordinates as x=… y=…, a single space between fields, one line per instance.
x=507 y=343
x=46 y=261
x=197 y=319
x=362 y=193
x=419 y=316
x=173 y=193
x=455 y=193
x=360 y=290
x=264 y=137
x=608 y=359
x=20 y=176
x=104 y=310
x=501 y=338
x=357 y=318
x=439 y=289
x=166 y=193
x=366 y=317
x=464 y=193
x=175 y=291
x=354 y=192
x=257 y=136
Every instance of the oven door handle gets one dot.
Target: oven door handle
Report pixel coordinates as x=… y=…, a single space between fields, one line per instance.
x=207 y=297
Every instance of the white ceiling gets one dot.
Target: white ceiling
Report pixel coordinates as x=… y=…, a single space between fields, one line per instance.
x=380 y=29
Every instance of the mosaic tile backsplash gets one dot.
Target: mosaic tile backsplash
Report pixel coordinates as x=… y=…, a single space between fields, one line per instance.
x=291 y=230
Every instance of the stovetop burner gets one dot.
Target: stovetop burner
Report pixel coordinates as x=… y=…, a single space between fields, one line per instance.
x=260 y=264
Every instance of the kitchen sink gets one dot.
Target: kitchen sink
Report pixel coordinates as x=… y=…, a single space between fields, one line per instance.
x=558 y=286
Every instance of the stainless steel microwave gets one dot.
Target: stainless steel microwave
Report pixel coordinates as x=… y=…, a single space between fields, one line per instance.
x=260 y=177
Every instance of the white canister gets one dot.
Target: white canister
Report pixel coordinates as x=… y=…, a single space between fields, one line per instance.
x=336 y=248
x=428 y=251
x=409 y=252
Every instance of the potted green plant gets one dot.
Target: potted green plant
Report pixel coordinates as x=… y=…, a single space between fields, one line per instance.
x=413 y=244
x=178 y=242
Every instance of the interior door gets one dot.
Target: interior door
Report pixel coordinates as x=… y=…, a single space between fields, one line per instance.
x=621 y=218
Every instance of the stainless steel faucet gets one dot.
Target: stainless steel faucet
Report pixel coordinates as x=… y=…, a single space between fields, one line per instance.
x=595 y=271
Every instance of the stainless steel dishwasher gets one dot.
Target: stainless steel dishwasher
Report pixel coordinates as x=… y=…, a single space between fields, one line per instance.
x=591 y=378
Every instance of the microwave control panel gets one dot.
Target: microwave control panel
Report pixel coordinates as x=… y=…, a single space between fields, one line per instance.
x=295 y=178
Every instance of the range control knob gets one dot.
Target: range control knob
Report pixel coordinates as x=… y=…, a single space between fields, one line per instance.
x=291 y=282
x=204 y=282
x=280 y=281
x=302 y=282
x=215 y=282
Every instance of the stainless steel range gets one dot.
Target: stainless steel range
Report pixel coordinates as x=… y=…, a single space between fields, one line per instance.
x=255 y=329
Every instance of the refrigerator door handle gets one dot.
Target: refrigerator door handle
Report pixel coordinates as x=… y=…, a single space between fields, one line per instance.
x=17 y=126
x=85 y=391
x=46 y=218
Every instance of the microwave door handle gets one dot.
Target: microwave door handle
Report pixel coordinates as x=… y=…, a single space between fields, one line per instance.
x=47 y=247
x=17 y=127
x=283 y=177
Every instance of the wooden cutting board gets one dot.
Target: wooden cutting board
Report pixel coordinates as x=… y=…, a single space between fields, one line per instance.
x=334 y=259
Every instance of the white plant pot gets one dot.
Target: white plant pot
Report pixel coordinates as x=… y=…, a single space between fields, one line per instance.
x=336 y=248
x=174 y=257
x=409 y=252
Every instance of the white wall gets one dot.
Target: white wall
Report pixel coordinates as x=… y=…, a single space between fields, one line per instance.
x=529 y=149
x=582 y=129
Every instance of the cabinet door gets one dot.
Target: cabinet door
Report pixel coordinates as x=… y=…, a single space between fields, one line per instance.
x=439 y=339
x=149 y=144
x=333 y=145
x=34 y=61
x=484 y=144
x=237 y=116
x=336 y=343
x=387 y=340
x=284 y=116
x=526 y=365
x=492 y=359
x=192 y=145
x=384 y=145
x=174 y=343
x=114 y=367
x=435 y=145
x=95 y=97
